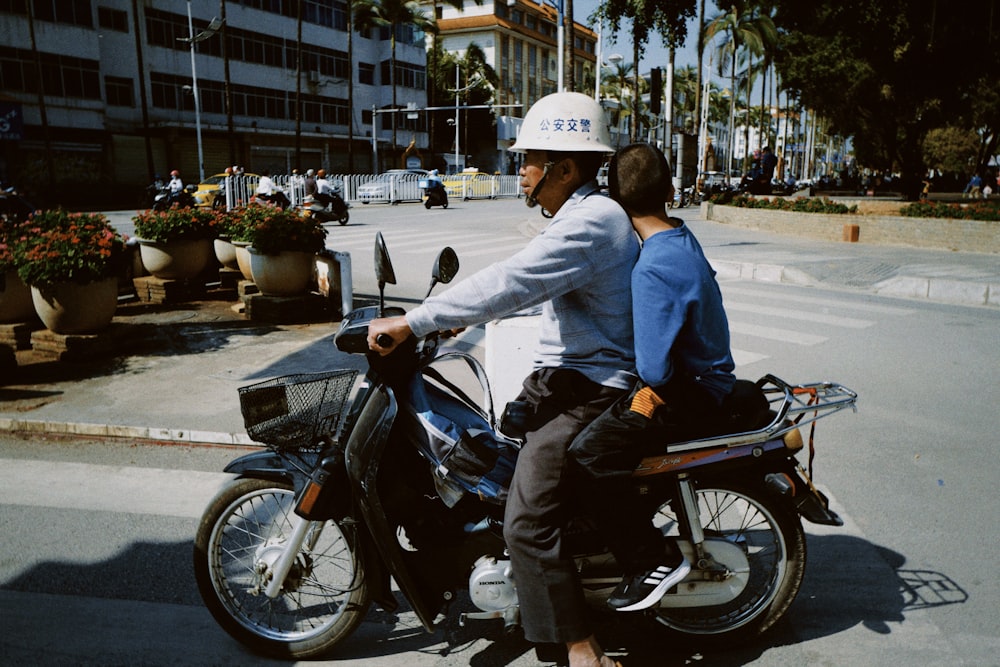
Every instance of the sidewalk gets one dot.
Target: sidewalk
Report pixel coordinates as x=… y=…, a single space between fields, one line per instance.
x=178 y=382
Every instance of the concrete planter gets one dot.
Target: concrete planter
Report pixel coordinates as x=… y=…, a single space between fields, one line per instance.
x=176 y=260
x=15 y=299
x=69 y=308
x=982 y=236
x=287 y=273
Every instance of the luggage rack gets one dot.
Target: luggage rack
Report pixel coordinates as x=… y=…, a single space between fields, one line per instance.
x=791 y=405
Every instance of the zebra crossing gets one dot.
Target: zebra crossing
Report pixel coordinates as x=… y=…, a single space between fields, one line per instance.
x=409 y=241
x=765 y=319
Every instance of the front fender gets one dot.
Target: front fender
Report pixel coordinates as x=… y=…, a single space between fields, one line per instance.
x=264 y=464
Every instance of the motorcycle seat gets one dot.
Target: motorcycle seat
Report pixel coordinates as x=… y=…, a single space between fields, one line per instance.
x=745 y=409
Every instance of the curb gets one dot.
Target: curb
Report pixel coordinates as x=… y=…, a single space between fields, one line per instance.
x=176 y=436
x=937 y=290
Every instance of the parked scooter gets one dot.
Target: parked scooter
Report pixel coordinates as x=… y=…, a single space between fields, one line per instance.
x=13 y=206
x=683 y=197
x=407 y=481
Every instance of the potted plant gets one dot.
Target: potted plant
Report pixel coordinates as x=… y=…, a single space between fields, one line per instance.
x=176 y=243
x=71 y=262
x=15 y=296
x=229 y=226
x=282 y=249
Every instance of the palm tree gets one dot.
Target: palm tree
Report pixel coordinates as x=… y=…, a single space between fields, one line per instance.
x=742 y=32
x=393 y=15
x=664 y=17
x=615 y=84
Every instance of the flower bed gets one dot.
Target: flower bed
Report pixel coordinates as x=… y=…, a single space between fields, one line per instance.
x=55 y=247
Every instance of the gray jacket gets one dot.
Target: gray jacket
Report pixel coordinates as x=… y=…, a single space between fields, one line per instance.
x=578 y=268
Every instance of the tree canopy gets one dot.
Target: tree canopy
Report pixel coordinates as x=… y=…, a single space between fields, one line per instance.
x=889 y=71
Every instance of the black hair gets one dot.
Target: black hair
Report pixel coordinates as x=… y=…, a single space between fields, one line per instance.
x=640 y=179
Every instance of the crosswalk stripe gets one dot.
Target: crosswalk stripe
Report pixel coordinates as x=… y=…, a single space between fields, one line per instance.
x=775 y=333
x=825 y=302
x=744 y=358
x=805 y=316
x=103 y=488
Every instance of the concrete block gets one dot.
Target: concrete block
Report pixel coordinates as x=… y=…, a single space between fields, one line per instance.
x=510 y=345
x=956 y=291
x=909 y=287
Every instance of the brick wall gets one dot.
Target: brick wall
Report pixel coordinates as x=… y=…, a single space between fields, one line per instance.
x=942 y=234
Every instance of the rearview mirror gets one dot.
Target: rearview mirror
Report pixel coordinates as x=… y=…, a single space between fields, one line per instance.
x=383 y=270
x=445 y=266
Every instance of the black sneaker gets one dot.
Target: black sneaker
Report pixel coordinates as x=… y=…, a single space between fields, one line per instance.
x=645 y=589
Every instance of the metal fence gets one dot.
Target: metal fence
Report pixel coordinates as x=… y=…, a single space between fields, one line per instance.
x=239 y=190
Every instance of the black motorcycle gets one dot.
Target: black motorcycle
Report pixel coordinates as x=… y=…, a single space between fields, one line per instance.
x=407 y=481
x=329 y=207
x=435 y=194
x=164 y=199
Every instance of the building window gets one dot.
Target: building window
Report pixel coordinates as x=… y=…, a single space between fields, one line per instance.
x=407 y=75
x=62 y=76
x=112 y=19
x=73 y=12
x=366 y=73
x=118 y=91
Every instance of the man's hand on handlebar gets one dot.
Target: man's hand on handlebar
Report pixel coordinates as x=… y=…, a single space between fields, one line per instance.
x=384 y=334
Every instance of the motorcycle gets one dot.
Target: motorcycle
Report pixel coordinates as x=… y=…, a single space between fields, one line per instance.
x=683 y=197
x=163 y=199
x=406 y=481
x=335 y=211
x=434 y=194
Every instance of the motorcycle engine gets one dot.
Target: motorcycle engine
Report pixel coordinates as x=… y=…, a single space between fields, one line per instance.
x=490 y=585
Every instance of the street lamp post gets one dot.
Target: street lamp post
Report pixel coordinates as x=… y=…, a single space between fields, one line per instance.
x=616 y=59
x=192 y=39
x=457 y=121
x=456 y=117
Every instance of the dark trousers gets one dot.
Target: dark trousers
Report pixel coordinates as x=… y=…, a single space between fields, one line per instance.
x=562 y=402
x=604 y=455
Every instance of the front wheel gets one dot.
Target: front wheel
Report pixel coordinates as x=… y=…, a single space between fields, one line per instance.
x=241 y=535
x=767 y=555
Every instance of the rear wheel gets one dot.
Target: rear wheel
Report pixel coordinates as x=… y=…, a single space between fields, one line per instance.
x=768 y=573
x=240 y=537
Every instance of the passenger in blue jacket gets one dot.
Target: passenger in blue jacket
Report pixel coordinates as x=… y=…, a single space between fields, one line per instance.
x=685 y=370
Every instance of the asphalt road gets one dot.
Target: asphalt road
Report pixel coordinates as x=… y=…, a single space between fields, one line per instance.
x=95 y=561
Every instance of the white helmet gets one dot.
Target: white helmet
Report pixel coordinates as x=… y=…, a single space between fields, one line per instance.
x=571 y=122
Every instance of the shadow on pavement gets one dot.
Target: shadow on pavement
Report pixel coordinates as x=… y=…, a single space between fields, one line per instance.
x=841 y=590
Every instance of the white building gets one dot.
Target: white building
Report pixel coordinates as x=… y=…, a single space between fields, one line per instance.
x=118 y=102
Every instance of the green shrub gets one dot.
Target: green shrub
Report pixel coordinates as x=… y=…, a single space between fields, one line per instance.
x=981 y=210
x=797 y=205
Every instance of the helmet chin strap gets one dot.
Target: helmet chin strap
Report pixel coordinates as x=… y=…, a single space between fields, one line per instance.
x=531 y=199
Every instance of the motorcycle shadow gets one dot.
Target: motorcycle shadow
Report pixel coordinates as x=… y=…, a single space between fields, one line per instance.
x=849 y=582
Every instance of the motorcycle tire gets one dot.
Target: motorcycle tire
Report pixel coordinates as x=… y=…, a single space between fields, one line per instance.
x=770 y=534
x=344 y=218
x=325 y=596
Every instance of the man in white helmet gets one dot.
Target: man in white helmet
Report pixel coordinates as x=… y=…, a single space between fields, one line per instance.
x=578 y=269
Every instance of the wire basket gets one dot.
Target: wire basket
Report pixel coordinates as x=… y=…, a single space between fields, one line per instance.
x=295 y=411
